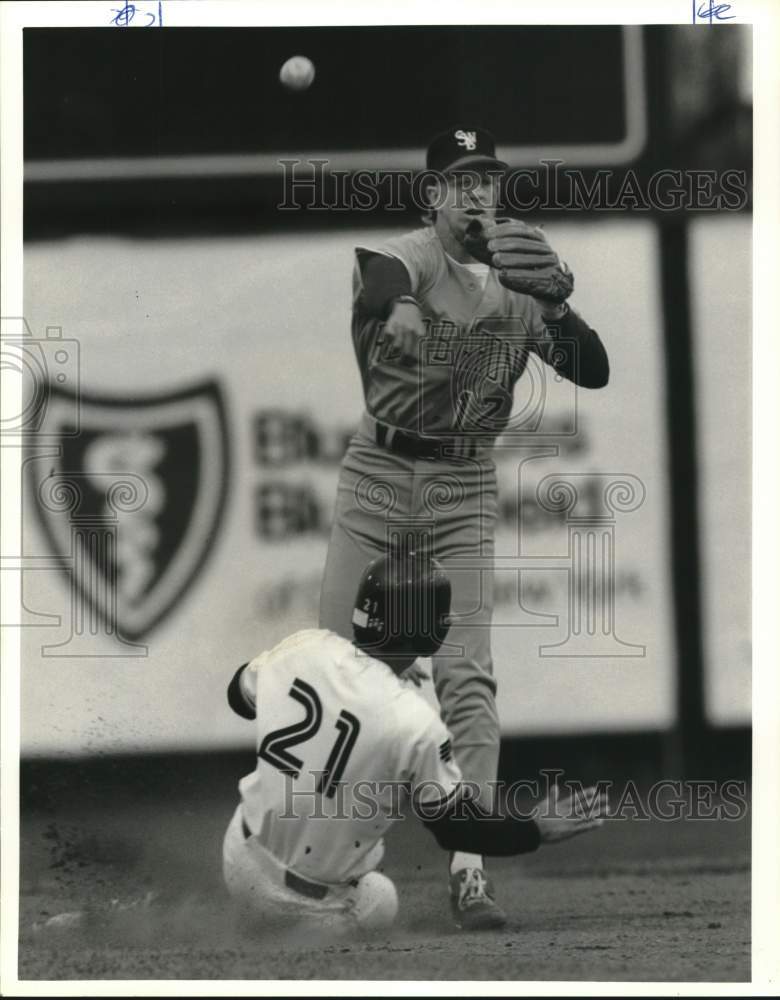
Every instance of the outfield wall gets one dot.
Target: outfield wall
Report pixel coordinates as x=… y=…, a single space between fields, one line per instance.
x=206 y=579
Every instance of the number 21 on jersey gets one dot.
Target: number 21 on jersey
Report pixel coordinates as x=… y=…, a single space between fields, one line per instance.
x=275 y=747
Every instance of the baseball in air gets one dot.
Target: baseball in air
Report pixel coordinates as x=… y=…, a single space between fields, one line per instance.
x=297 y=73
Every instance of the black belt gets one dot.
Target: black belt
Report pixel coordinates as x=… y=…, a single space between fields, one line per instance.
x=417 y=447
x=314 y=890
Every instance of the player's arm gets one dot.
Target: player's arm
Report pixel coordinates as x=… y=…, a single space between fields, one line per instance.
x=385 y=280
x=387 y=296
x=444 y=805
x=526 y=263
x=573 y=348
x=241 y=693
x=464 y=826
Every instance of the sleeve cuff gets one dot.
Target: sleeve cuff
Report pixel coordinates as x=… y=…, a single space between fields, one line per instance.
x=237 y=696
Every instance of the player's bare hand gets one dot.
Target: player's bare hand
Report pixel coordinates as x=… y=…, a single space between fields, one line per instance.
x=403 y=332
x=416 y=675
x=559 y=819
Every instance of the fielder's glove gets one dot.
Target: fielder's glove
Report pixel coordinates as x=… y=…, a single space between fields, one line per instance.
x=524 y=259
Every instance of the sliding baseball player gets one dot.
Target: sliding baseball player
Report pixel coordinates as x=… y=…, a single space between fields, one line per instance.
x=343 y=744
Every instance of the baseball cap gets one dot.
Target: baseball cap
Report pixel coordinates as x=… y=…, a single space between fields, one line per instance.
x=459 y=148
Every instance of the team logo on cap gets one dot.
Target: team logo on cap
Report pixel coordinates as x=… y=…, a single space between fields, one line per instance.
x=466 y=139
x=133 y=503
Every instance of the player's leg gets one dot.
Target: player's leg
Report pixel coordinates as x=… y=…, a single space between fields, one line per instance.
x=346 y=559
x=466 y=688
x=256 y=882
x=463 y=675
x=466 y=691
x=249 y=879
x=370 y=905
x=373 y=484
x=463 y=668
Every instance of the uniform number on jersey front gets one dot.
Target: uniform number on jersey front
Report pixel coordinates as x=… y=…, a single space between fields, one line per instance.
x=275 y=747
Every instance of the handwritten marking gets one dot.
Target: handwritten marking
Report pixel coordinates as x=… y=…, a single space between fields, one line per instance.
x=709 y=12
x=125 y=15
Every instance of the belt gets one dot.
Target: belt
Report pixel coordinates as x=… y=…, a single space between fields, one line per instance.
x=413 y=446
x=314 y=890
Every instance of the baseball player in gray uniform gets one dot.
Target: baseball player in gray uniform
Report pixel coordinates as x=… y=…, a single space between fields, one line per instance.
x=444 y=321
x=342 y=743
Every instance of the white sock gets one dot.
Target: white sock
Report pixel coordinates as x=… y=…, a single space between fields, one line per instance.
x=461 y=860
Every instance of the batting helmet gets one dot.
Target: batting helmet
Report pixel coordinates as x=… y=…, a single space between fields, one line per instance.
x=402 y=606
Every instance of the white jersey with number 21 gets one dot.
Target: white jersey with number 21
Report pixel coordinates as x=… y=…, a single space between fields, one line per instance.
x=337 y=734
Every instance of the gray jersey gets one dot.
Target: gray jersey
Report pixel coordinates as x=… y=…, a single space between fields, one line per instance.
x=475 y=349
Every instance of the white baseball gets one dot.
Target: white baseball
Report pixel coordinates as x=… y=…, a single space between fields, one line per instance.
x=297 y=73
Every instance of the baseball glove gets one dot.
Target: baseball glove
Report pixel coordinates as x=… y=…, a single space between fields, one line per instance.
x=524 y=259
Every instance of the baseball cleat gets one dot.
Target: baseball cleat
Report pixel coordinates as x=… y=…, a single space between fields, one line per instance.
x=472 y=898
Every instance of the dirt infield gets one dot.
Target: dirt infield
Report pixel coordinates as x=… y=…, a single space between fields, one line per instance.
x=634 y=901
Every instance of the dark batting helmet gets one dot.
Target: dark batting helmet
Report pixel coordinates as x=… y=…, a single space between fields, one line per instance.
x=402 y=606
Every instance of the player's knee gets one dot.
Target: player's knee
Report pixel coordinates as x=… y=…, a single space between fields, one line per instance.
x=376 y=902
x=464 y=673
x=472 y=697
